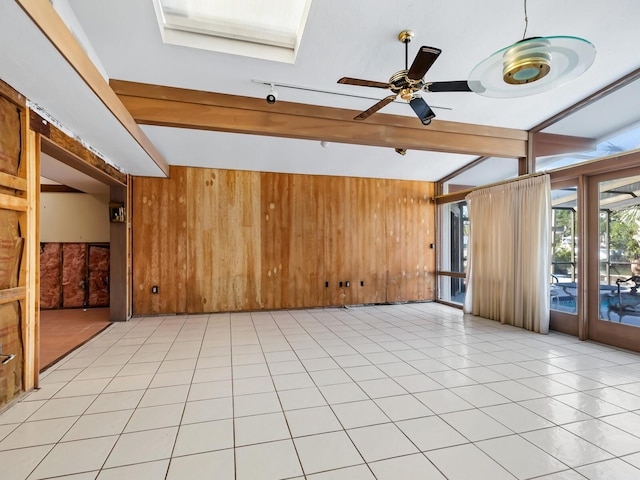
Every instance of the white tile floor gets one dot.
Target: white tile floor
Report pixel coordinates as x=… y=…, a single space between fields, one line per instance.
x=387 y=392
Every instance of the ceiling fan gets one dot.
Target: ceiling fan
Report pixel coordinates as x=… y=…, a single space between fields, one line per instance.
x=408 y=82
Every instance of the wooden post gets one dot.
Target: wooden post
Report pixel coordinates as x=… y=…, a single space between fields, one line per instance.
x=30 y=265
x=119 y=264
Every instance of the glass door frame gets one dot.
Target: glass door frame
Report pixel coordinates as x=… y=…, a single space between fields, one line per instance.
x=611 y=333
x=444 y=236
x=565 y=322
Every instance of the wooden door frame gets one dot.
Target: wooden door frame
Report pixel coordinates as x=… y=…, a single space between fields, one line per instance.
x=72 y=153
x=564 y=322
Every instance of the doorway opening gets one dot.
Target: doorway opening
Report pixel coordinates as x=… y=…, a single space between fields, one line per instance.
x=74 y=259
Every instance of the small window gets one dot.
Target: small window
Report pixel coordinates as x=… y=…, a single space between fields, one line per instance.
x=268 y=30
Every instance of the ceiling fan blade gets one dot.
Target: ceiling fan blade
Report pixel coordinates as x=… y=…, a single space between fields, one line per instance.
x=454 y=86
x=423 y=111
x=370 y=111
x=423 y=61
x=363 y=83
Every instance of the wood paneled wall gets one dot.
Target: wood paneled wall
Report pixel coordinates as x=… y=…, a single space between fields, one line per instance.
x=220 y=240
x=223 y=241
x=159 y=244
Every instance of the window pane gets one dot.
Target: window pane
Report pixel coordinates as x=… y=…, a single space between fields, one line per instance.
x=564 y=251
x=619 y=253
x=453 y=251
x=612 y=123
x=488 y=171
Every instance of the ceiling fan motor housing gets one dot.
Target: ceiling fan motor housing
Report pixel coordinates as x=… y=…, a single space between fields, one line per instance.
x=402 y=85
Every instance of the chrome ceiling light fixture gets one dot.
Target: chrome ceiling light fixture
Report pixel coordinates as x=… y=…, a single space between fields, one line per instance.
x=532 y=65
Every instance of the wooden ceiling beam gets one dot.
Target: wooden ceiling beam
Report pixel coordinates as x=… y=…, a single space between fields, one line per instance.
x=545 y=144
x=175 y=107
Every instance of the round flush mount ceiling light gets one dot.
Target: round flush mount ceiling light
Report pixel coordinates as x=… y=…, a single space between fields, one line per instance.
x=531 y=66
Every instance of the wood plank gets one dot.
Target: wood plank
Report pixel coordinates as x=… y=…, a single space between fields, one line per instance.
x=44 y=188
x=71 y=152
x=159 y=243
x=369 y=245
x=276 y=205
x=337 y=232
x=13 y=182
x=11 y=385
x=230 y=119
x=39 y=124
x=308 y=245
x=9 y=202
x=10 y=93
x=29 y=277
x=12 y=294
x=293 y=258
x=45 y=17
x=410 y=230
x=224 y=268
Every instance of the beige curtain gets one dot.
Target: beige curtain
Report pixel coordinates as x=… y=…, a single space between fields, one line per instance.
x=508 y=253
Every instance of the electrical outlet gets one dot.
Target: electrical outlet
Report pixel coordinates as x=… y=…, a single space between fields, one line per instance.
x=154 y=289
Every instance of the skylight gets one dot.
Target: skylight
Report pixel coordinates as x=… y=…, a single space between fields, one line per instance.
x=270 y=30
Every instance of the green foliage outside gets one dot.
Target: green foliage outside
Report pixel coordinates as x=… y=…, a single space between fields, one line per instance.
x=624 y=240
x=562 y=241
x=624 y=234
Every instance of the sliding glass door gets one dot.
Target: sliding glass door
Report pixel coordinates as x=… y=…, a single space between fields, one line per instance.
x=614 y=259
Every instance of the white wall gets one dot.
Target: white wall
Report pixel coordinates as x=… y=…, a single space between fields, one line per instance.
x=74 y=217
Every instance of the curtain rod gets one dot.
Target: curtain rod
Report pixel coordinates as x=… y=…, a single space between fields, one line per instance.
x=489 y=185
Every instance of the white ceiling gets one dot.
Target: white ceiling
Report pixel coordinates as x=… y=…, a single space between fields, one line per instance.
x=356 y=39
